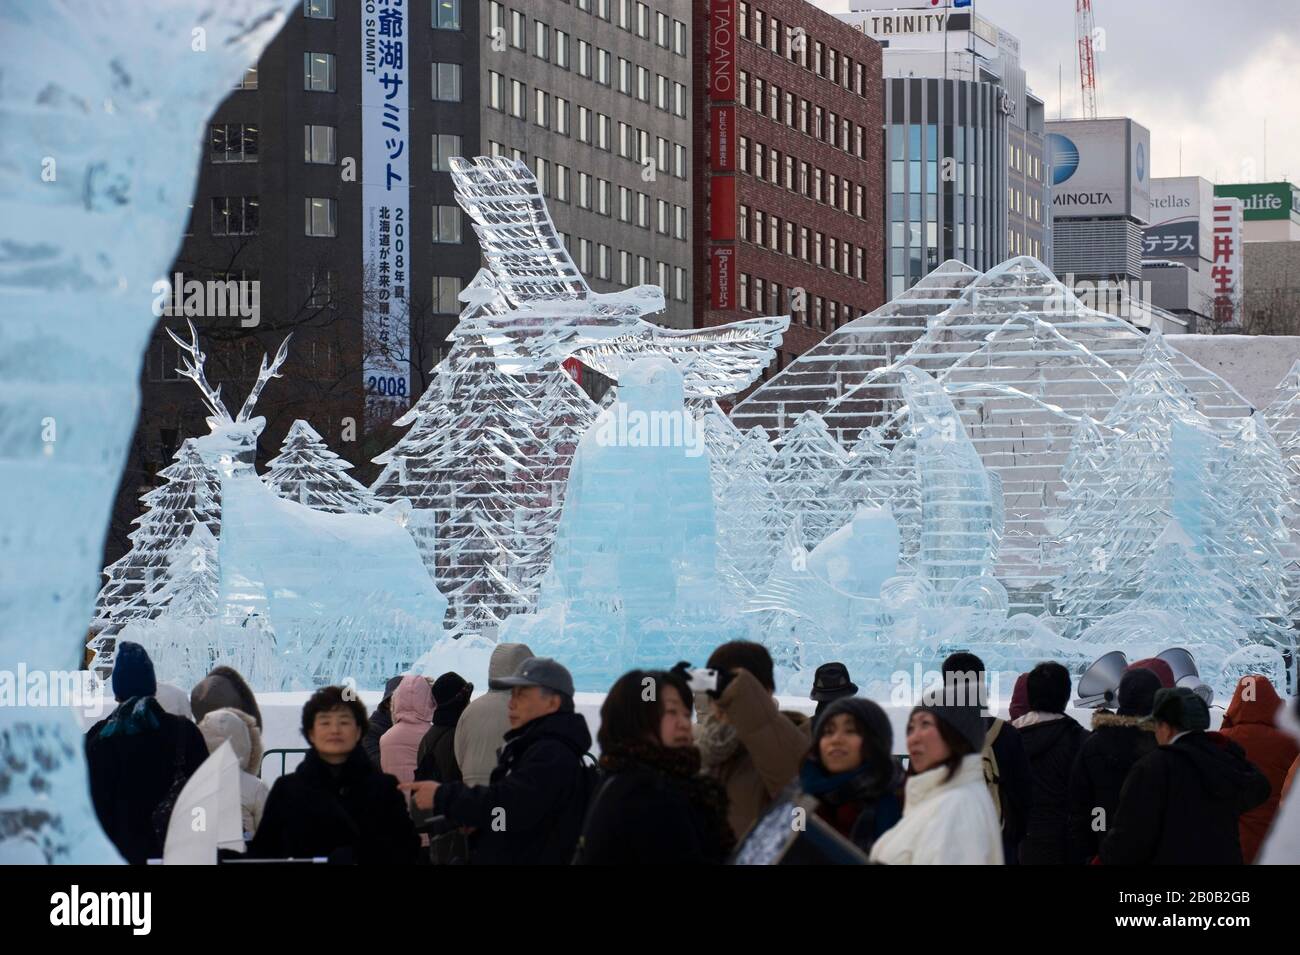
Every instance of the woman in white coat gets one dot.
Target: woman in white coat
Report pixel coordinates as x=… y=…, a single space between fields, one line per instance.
x=948 y=815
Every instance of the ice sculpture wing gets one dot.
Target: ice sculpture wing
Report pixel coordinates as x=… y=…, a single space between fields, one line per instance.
x=715 y=362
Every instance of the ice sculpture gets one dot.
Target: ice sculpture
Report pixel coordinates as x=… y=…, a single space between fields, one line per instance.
x=101 y=104
x=961 y=502
x=750 y=519
x=633 y=578
x=542 y=310
x=340 y=595
x=807 y=462
x=191 y=494
x=1283 y=417
x=854 y=599
x=486 y=462
x=485 y=466
x=1022 y=360
x=308 y=472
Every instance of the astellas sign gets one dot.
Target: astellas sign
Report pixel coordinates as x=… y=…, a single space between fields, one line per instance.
x=722 y=51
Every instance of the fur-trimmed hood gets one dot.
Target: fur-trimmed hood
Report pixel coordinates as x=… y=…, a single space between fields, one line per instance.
x=1104 y=718
x=240 y=729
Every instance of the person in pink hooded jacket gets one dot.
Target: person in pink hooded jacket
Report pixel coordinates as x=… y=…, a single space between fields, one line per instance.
x=412 y=715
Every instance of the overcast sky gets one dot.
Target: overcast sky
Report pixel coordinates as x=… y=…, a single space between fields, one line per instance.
x=1206 y=73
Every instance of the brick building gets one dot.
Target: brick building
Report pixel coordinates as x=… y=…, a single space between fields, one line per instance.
x=788 y=168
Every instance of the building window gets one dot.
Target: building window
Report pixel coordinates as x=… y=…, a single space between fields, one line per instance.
x=318 y=145
x=602 y=67
x=446 y=289
x=446 y=224
x=322 y=288
x=445 y=146
x=517 y=27
x=446 y=14
x=561 y=49
x=603 y=191
x=496 y=91
x=584 y=124
x=233 y=142
x=679 y=100
x=584 y=59
x=541 y=40
x=318 y=72
x=318 y=9
x=320 y=217
x=234 y=215
x=679 y=283
x=679 y=38
x=518 y=93
x=584 y=190
x=662 y=37
x=561 y=183
x=561 y=116
x=541 y=171
x=446 y=82
x=540 y=111
x=249 y=80
x=679 y=162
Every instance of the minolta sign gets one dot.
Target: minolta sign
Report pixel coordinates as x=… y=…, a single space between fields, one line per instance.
x=1100 y=167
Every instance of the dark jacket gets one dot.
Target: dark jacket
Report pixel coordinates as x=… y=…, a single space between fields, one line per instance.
x=532 y=809
x=349 y=814
x=646 y=815
x=1051 y=748
x=132 y=758
x=1015 y=784
x=1181 y=802
x=380 y=722
x=1098 y=774
x=437 y=756
x=861 y=808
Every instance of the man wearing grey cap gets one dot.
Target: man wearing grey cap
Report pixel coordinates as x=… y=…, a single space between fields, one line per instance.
x=532 y=808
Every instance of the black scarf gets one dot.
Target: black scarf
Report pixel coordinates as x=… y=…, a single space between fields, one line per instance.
x=681 y=766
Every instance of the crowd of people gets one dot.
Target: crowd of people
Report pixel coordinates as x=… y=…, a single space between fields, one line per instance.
x=703 y=766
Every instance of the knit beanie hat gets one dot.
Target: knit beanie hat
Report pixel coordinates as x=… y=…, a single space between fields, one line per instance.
x=1137 y=691
x=1181 y=707
x=132 y=672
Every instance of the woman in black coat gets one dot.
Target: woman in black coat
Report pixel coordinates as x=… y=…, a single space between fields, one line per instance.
x=653 y=807
x=336 y=805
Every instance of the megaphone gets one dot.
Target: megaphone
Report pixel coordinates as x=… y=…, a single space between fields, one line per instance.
x=1185 y=673
x=1099 y=684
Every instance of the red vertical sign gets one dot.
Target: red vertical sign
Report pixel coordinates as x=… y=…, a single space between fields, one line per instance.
x=722 y=51
x=722 y=208
x=722 y=262
x=722 y=147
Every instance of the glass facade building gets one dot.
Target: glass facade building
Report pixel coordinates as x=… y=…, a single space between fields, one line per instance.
x=946 y=175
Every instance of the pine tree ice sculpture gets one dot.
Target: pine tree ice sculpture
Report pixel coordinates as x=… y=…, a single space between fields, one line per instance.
x=1283 y=417
x=485 y=466
x=1138 y=446
x=750 y=518
x=1251 y=532
x=807 y=462
x=193 y=579
x=308 y=472
x=190 y=492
